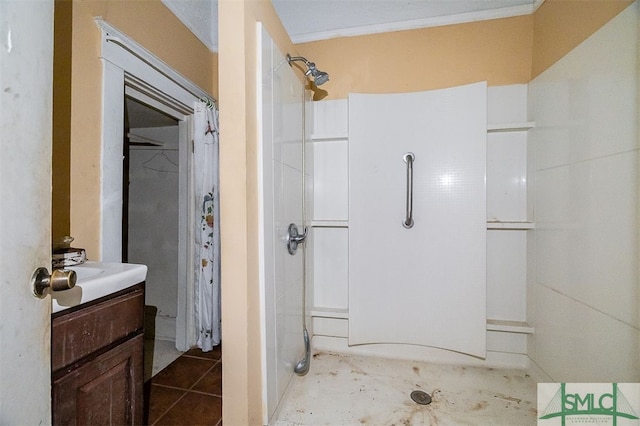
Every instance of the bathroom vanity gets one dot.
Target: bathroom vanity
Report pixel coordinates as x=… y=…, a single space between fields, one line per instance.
x=97 y=360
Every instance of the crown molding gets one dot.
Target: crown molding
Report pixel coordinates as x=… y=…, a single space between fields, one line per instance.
x=461 y=18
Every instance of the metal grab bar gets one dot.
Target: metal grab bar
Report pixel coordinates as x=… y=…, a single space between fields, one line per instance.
x=409 y=158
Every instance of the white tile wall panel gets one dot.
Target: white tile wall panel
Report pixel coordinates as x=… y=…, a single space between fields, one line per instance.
x=495 y=359
x=289 y=153
x=267 y=187
x=287 y=120
x=282 y=198
x=584 y=302
x=333 y=327
x=507 y=104
x=514 y=343
x=285 y=356
x=576 y=343
x=331 y=118
x=587 y=100
x=586 y=242
x=506 y=275
x=507 y=176
x=331 y=267
x=331 y=180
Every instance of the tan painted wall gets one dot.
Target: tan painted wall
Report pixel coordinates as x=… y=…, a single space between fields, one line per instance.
x=152 y=25
x=561 y=25
x=241 y=319
x=501 y=51
x=498 y=51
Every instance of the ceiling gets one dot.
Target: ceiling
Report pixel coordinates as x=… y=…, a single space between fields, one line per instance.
x=312 y=20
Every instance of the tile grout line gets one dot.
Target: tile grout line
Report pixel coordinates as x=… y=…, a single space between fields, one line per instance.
x=203 y=376
x=191 y=388
x=205 y=393
x=171 y=406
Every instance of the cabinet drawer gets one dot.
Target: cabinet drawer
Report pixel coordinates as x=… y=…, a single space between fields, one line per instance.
x=77 y=334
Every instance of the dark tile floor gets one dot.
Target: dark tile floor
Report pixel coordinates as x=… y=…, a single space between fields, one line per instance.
x=187 y=392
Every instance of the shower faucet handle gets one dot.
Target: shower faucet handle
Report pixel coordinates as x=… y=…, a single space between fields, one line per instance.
x=294 y=238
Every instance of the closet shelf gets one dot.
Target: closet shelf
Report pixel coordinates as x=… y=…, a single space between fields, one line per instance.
x=511 y=127
x=516 y=225
x=509 y=326
x=330 y=223
x=341 y=313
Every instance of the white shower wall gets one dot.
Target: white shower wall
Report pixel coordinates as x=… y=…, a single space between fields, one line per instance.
x=584 y=299
x=282 y=192
x=508 y=235
x=563 y=294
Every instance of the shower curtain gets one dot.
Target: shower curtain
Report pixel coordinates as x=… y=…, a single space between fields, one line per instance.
x=207 y=226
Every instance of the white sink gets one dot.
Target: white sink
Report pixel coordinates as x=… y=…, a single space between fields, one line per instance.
x=96 y=280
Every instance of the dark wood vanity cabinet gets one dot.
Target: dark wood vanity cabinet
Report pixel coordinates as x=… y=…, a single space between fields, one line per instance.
x=97 y=361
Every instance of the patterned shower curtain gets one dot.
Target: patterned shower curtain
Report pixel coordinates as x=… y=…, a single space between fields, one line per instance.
x=207 y=226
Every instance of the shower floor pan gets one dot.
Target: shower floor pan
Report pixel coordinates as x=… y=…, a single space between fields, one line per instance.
x=348 y=389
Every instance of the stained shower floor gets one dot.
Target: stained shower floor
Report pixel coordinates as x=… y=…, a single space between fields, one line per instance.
x=356 y=390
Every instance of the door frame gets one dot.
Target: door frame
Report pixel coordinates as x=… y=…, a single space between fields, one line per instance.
x=129 y=69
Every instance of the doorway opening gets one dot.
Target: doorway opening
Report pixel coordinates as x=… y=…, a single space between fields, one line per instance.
x=132 y=74
x=150 y=221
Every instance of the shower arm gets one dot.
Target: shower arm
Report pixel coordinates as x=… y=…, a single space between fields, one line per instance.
x=319 y=77
x=310 y=65
x=298 y=58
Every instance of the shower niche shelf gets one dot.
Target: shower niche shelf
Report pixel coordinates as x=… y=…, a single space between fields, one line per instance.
x=330 y=223
x=509 y=326
x=341 y=313
x=329 y=137
x=510 y=225
x=511 y=127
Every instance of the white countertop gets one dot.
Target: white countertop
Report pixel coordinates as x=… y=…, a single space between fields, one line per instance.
x=98 y=279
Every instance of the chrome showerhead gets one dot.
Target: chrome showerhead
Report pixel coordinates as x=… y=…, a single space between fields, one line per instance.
x=319 y=77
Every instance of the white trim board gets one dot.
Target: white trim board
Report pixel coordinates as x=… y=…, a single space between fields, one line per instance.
x=150 y=80
x=438 y=21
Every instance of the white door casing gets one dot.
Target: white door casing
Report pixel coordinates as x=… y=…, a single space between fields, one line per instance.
x=26 y=75
x=425 y=285
x=146 y=78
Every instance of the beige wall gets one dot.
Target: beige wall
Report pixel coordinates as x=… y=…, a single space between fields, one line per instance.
x=152 y=25
x=501 y=51
x=241 y=319
x=498 y=51
x=561 y=25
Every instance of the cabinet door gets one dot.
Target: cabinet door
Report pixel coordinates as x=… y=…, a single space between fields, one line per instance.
x=104 y=391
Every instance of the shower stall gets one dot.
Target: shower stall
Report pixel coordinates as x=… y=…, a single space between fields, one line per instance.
x=544 y=284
